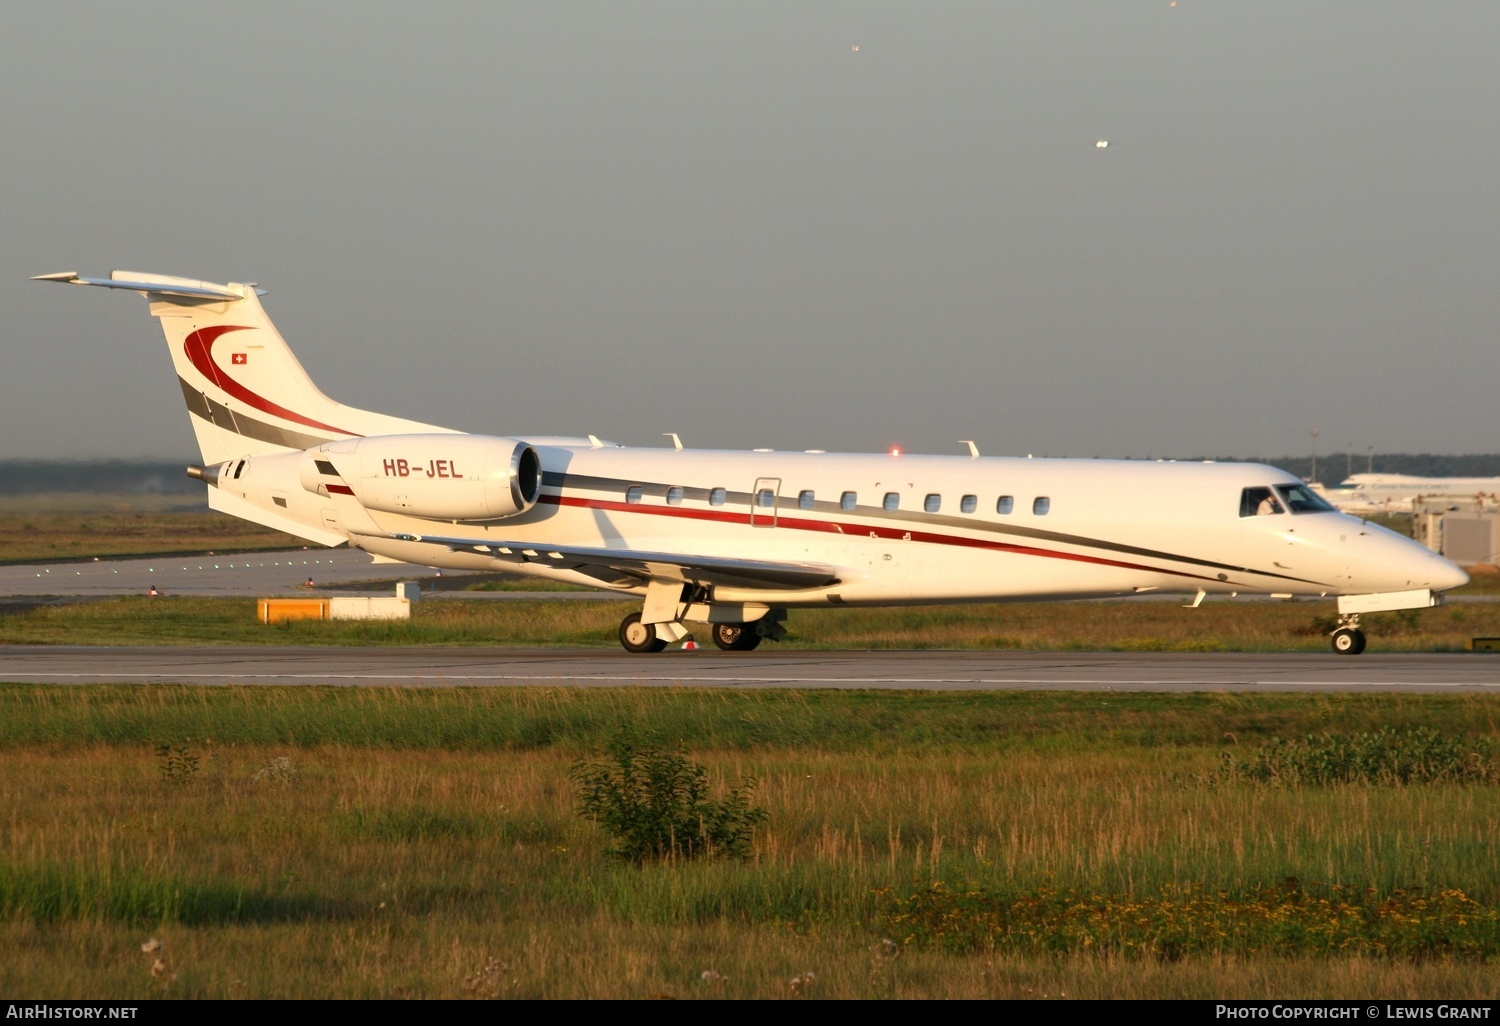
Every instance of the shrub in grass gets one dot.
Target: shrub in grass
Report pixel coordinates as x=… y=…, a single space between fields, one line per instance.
x=1418 y=755
x=178 y=763
x=655 y=804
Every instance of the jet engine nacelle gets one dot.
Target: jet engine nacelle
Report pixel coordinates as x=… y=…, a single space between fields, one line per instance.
x=447 y=477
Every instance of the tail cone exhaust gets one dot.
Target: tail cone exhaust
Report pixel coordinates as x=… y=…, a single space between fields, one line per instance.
x=208 y=474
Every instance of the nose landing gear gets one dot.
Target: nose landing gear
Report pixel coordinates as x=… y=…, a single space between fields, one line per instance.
x=1348 y=639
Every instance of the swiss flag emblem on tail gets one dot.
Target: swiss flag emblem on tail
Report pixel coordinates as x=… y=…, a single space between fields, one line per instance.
x=237 y=358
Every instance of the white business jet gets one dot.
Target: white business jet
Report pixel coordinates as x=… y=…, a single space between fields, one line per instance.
x=735 y=539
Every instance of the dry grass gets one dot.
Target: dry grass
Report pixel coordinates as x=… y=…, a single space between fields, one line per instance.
x=46 y=534
x=450 y=869
x=606 y=958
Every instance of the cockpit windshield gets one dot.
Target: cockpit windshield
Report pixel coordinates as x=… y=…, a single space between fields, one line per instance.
x=1281 y=498
x=1302 y=499
x=1274 y=499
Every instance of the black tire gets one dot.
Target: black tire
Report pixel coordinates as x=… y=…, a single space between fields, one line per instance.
x=1348 y=641
x=735 y=637
x=639 y=637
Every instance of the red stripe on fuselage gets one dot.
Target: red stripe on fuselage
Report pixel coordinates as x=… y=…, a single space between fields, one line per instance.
x=199 y=348
x=857 y=531
x=340 y=489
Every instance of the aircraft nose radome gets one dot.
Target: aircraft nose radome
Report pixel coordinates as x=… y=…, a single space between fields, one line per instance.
x=1430 y=570
x=1448 y=575
x=1401 y=564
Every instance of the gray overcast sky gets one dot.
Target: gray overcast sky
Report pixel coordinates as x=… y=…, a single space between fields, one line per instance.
x=722 y=220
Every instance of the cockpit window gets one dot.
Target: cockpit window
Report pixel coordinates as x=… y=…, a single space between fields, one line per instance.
x=1302 y=499
x=1259 y=502
x=1282 y=498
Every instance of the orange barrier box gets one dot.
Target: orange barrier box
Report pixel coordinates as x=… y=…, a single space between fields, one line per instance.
x=272 y=610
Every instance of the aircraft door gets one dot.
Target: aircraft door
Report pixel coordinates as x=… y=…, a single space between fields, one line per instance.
x=763 y=501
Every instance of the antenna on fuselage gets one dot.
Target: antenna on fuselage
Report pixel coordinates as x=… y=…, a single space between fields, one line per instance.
x=676 y=442
x=973 y=449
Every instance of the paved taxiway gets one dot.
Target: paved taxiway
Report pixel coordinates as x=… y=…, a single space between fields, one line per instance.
x=964 y=671
x=249 y=574
x=282 y=573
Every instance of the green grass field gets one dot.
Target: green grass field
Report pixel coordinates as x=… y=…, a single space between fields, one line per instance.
x=376 y=842
x=44 y=528
x=334 y=842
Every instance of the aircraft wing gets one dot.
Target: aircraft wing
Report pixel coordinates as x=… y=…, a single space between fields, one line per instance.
x=632 y=566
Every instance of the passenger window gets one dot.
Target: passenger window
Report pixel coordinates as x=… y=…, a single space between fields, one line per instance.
x=805 y=499
x=716 y=496
x=1259 y=502
x=968 y=504
x=892 y=501
x=932 y=503
x=1005 y=504
x=633 y=494
x=1040 y=505
x=765 y=498
x=674 y=496
x=848 y=500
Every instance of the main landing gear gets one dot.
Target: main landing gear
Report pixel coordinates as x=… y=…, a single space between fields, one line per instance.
x=1348 y=639
x=735 y=637
x=640 y=637
x=637 y=636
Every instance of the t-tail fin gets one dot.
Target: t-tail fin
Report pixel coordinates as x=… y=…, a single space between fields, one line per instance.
x=246 y=392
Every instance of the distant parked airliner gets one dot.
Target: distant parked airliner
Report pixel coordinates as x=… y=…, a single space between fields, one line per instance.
x=1365 y=493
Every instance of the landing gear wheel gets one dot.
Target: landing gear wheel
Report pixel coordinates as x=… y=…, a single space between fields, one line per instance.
x=735 y=637
x=639 y=637
x=1348 y=641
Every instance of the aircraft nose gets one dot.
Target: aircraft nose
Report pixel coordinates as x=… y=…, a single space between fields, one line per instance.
x=1427 y=569
x=1395 y=563
x=1448 y=575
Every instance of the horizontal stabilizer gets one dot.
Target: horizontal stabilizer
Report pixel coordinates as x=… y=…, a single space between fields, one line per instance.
x=164 y=287
x=649 y=566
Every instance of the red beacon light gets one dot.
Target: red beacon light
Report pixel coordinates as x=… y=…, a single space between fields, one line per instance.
x=895 y=450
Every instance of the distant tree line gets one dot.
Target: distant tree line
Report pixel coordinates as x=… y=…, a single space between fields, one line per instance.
x=99 y=477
